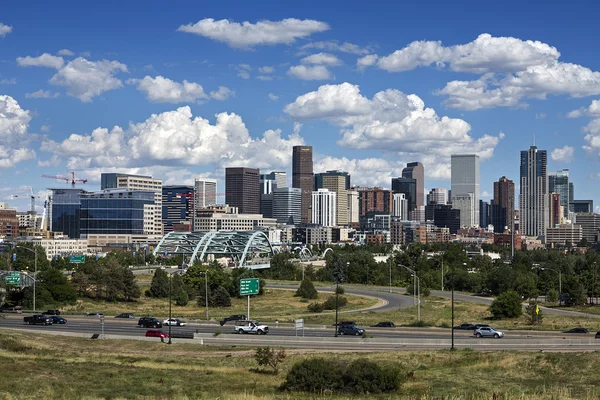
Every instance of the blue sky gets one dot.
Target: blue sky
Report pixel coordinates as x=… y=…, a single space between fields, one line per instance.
x=186 y=89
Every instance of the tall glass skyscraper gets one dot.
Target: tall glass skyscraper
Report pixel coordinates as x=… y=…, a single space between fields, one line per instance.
x=533 y=200
x=464 y=181
x=65 y=206
x=558 y=182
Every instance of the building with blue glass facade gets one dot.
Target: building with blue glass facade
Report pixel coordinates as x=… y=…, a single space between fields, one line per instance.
x=115 y=212
x=177 y=206
x=64 y=211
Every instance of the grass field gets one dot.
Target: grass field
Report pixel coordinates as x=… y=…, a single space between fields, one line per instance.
x=275 y=304
x=437 y=311
x=52 y=367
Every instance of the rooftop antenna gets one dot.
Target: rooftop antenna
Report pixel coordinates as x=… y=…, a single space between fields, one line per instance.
x=534 y=140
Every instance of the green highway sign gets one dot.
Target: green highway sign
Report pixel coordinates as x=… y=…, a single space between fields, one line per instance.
x=249 y=286
x=14 y=278
x=77 y=259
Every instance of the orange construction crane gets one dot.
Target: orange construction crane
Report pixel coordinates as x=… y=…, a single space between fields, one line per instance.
x=67 y=179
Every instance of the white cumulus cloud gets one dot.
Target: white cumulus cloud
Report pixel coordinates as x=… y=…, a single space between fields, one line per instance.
x=593 y=110
x=564 y=154
x=333 y=45
x=14 y=139
x=366 y=61
x=273 y=97
x=246 y=34
x=5 y=29
x=65 y=52
x=309 y=73
x=87 y=79
x=45 y=60
x=164 y=90
x=266 y=69
x=42 y=94
x=222 y=94
x=322 y=59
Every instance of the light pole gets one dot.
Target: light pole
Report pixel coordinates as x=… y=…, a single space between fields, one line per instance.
x=34 y=270
x=338 y=276
x=418 y=281
x=170 y=302
x=390 y=277
x=452 y=327
x=205 y=273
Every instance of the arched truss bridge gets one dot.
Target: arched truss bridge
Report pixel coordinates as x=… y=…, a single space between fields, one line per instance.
x=245 y=248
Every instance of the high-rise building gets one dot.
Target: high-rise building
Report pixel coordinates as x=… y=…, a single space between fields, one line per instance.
x=555 y=209
x=374 y=199
x=280 y=178
x=437 y=196
x=581 y=206
x=415 y=170
x=533 y=199
x=64 y=211
x=242 y=186
x=302 y=177
x=205 y=192
x=339 y=183
x=503 y=205
x=9 y=223
x=465 y=181
x=139 y=182
x=268 y=183
x=408 y=186
x=590 y=223
x=353 y=207
x=324 y=211
x=400 y=206
x=177 y=206
x=466 y=204
x=287 y=205
x=558 y=182
x=447 y=217
x=484 y=214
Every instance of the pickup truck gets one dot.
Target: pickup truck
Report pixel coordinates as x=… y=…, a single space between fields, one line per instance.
x=251 y=327
x=38 y=319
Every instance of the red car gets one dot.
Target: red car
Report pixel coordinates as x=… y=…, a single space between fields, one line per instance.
x=155 y=333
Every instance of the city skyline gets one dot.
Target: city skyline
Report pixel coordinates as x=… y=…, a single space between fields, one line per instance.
x=184 y=102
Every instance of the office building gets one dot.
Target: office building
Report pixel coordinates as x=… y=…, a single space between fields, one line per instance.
x=533 y=199
x=287 y=205
x=555 y=209
x=503 y=205
x=143 y=183
x=558 y=182
x=374 y=199
x=415 y=170
x=465 y=181
x=337 y=182
x=64 y=211
x=376 y=222
x=590 y=225
x=279 y=178
x=302 y=177
x=484 y=214
x=562 y=234
x=207 y=222
x=205 y=192
x=353 y=207
x=407 y=186
x=177 y=207
x=400 y=206
x=324 y=207
x=447 y=217
x=242 y=187
x=581 y=206
x=437 y=196
x=9 y=223
x=59 y=246
x=267 y=184
x=466 y=204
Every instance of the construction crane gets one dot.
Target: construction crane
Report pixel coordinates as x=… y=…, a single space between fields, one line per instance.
x=67 y=179
x=30 y=195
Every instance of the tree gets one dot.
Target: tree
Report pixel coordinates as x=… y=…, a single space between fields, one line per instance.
x=221 y=298
x=507 y=305
x=160 y=284
x=535 y=316
x=574 y=291
x=552 y=296
x=181 y=297
x=266 y=356
x=307 y=290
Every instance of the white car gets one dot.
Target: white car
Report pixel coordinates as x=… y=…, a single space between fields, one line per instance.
x=251 y=327
x=174 y=322
x=488 y=332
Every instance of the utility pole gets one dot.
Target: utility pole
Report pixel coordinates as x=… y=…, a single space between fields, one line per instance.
x=452 y=327
x=170 y=301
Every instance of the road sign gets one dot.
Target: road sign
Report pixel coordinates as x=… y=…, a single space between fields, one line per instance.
x=77 y=259
x=249 y=286
x=14 y=278
x=299 y=326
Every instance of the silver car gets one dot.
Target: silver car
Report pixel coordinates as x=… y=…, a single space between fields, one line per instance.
x=488 y=332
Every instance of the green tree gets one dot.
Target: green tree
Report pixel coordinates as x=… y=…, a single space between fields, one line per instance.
x=507 y=305
x=266 y=356
x=57 y=284
x=552 y=296
x=160 y=284
x=307 y=290
x=221 y=298
x=181 y=297
x=574 y=291
x=535 y=316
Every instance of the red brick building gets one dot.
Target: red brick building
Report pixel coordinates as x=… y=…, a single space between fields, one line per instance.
x=9 y=223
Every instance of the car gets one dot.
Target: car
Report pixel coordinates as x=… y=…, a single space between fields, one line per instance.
x=38 y=319
x=52 y=312
x=155 y=333
x=386 y=324
x=95 y=314
x=251 y=327
x=235 y=317
x=466 y=327
x=477 y=326
x=58 y=320
x=149 y=322
x=174 y=322
x=597 y=335
x=125 y=315
x=488 y=332
x=350 y=330
x=577 y=330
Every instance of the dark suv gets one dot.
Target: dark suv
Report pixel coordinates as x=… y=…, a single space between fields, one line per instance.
x=236 y=317
x=150 y=322
x=350 y=330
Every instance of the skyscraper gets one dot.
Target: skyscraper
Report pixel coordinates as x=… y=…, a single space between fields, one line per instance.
x=415 y=170
x=177 y=207
x=400 y=206
x=339 y=183
x=465 y=181
x=242 y=189
x=205 y=192
x=533 y=200
x=302 y=176
x=286 y=205
x=437 y=196
x=353 y=207
x=503 y=204
x=408 y=186
x=558 y=182
x=374 y=199
x=324 y=207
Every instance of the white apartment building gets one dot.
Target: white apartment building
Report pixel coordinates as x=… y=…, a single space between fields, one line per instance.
x=324 y=208
x=400 y=206
x=63 y=246
x=205 y=192
x=353 y=207
x=232 y=222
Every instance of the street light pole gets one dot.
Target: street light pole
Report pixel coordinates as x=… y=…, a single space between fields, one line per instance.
x=390 y=277
x=170 y=301
x=417 y=283
x=452 y=327
x=206 y=292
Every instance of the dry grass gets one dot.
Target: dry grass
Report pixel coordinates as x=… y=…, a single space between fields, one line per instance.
x=274 y=304
x=74 y=368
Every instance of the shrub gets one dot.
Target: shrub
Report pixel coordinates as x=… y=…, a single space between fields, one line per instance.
x=266 y=356
x=316 y=307
x=552 y=296
x=330 y=302
x=221 y=298
x=507 y=305
x=307 y=290
x=533 y=317
x=339 y=290
x=364 y=376
x=314 y=375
